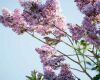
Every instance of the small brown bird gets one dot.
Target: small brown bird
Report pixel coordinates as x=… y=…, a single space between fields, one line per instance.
x=51 y=41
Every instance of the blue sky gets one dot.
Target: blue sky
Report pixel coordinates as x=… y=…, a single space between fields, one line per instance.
x=17 y=54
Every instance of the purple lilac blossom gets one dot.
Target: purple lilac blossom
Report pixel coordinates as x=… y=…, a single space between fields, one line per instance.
x=13 y=20
x=53 y=61
x=41 y=18
x=87 y=23
x=6 y=17
x=20 y=25
x=88 y=9
x=48 y=56
x=93 y=41
x=97 y=7
x=45 y=53
x=49 y=73
x=44 y=17
x=65 y=73
x=76 y=31
x=82 y=3
x=91 y=31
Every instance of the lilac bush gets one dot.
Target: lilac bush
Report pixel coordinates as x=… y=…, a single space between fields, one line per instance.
x=46 y=20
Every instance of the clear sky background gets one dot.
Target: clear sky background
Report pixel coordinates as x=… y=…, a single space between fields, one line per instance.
x=17 y=54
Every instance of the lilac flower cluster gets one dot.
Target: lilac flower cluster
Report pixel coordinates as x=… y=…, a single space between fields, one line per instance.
x=91 y=31
x=81 y=3
x=90 y=24
x=38 y=17
x=64 y=73
x=90 y=27
x=76 y=31
x=13 y=20
x=89 y=7
x=49 y=74
x=53 y=61
x=97 y=7
x=44 y=18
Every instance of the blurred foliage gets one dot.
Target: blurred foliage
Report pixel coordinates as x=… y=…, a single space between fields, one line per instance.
x=35 y=76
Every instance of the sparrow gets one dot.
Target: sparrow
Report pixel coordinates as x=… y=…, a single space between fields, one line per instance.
x=51 y=41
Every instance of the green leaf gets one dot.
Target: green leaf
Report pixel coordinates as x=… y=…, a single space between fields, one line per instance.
x=35 y=76
x=33 y=73
x=79 y=51
x=84 y=44
x=89 y=63
x=94 y=68
x=97 y=77
x=30 y=78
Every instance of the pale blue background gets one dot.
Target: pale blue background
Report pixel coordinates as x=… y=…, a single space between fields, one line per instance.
x=17 y=54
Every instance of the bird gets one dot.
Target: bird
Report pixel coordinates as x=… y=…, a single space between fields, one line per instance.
x=51 y=41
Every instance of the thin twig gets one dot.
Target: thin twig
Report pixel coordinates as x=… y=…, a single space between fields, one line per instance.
x=76 y=69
